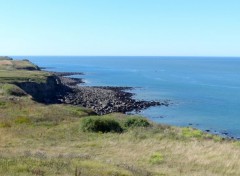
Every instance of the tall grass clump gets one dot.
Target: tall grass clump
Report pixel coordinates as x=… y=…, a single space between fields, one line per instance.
x=156 y=158
x=101 y=124
x=192 y=133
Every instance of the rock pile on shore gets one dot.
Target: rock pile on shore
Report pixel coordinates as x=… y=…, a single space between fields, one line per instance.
x=102 y=100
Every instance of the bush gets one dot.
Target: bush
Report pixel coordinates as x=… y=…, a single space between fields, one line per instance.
x=136 y=122
x=101 y=124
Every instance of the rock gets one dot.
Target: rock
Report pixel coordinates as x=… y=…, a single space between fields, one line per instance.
x=225 y=133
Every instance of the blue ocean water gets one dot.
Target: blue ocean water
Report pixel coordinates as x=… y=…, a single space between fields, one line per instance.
x=205 y=91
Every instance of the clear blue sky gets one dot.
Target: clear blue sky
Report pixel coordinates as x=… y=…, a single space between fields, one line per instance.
x=120 y=27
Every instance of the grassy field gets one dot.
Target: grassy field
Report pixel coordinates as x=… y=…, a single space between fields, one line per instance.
x=12 y=71
x=9 y=63
x=49 y=140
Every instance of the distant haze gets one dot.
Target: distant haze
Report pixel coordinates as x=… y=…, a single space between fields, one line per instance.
x=120 y=27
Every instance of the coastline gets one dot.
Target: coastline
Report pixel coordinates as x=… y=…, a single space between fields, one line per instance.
x=65 y=89
x=101 y=99
x=108 y=99
x=52 y=137
x=195 y=97
x=61 y=88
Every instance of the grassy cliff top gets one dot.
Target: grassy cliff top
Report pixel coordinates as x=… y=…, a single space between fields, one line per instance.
x=9 y=63
x=5 y=58
x=12 y=71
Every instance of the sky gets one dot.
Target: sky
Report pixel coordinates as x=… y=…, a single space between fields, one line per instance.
x=120 y=27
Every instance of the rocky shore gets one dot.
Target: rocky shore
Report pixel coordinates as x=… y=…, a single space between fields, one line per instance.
x=59 y=87
x=102 y=100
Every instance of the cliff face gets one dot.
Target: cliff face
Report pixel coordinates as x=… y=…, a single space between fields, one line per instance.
x=47 y=92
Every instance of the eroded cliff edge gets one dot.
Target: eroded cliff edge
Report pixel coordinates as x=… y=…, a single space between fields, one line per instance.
x=53 y=87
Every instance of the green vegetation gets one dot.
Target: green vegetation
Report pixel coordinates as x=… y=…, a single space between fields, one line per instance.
x=22 y=120
x=11 y=89
x=5 y=125
x=136 y=122
x=101 y=124
x=14 y=76
x=109 y=123
x=12 y=71
x=156 y=158
x=9 y=63
x=24 y=64
x=58 y=139
x=189 y=132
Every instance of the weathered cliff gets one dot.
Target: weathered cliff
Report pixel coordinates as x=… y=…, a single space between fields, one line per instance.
x=47 y=92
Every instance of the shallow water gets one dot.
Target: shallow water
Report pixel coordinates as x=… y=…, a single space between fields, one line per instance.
x=205 y=91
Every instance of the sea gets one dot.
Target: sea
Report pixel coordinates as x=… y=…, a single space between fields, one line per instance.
x=204 y=91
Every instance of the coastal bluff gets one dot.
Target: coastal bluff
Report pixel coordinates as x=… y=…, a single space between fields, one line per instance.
x=56 y=87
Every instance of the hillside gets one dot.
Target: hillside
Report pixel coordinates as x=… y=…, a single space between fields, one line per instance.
x=59 y=139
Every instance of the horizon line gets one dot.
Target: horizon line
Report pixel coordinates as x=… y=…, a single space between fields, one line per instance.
x=111 y=56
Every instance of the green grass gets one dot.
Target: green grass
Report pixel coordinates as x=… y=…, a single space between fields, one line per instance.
x=156 y=158
x=22 y=120
x=11 y=89
x=7 y=62
x=14 y=76
x=12 y=71
x=24 y=64
x=40 y=164
x=192 y=133
x=5 y=125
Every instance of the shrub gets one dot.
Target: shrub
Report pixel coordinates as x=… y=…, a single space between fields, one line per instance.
x=136 y=122
x=156 y=158
x=101 y=124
